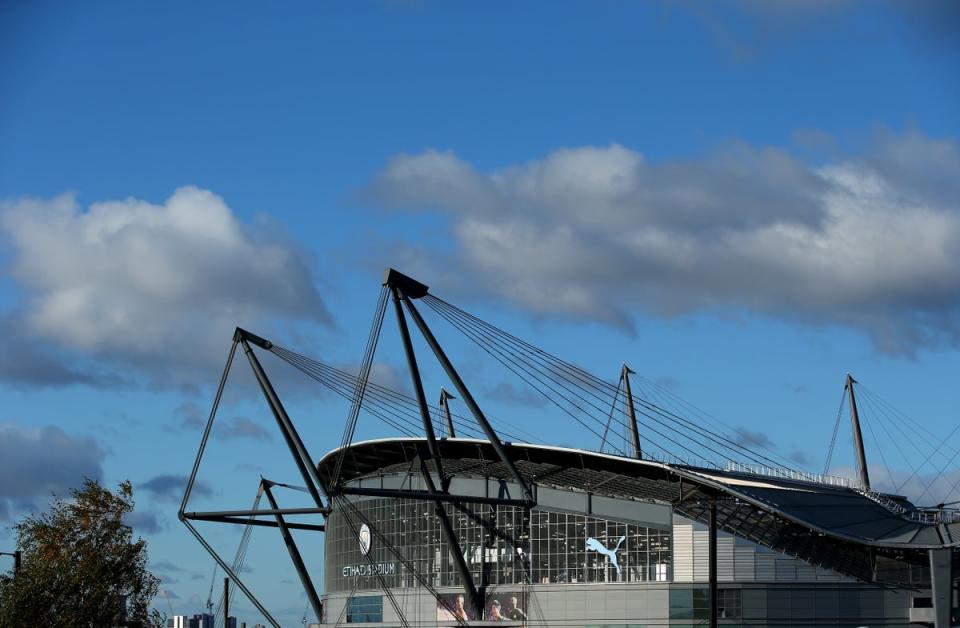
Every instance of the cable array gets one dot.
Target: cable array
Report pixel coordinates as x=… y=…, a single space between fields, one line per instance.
x=395 y=409
x=374 y=336
x=238 y=558
x=911 y=440
x=584 y=397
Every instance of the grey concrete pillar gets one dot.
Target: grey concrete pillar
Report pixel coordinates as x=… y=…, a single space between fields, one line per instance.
x=941 y=586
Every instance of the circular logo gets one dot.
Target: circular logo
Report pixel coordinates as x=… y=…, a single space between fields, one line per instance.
x=364 y=538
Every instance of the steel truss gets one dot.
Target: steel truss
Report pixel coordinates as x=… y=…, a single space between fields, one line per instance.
x=403 y=290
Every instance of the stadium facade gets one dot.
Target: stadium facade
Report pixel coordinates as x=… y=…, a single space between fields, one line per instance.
x=441 y=530
x=615 y=542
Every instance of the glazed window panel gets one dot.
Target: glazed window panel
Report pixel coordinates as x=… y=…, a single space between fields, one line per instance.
x=536 y=546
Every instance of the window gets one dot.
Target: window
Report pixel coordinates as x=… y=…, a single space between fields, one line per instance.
x=365 y=609
x=728 y=603
x=689 y=603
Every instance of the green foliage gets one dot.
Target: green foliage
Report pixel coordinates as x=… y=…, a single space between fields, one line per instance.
x=81 y=565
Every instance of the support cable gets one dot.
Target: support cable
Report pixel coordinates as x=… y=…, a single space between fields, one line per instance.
x=580 y=376
x=613 y=407
x=364 y=376
x=390 y=401
x=836 y=430
x=461 y=320
x=239 y=557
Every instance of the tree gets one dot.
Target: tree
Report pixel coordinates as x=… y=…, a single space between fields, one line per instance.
x=81 y=565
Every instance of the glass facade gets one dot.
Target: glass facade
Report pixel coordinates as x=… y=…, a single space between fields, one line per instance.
x=561 y=553
x=502 y=546
x=365 y=609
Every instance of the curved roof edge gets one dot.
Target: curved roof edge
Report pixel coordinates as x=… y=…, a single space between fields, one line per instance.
x=840 y=512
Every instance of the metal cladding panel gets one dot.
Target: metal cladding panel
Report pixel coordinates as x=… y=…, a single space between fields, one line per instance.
x=683 y=552
x=954 y=530
x=701 y=566
x=504 y=489
x=927 y=536
x=745 y=564
x=754 y=603
x=468 y=486
x=655 y=515
x=806 y=571
x=562 y=500
x=785 y=568
x=725 y=559
x=766 y=567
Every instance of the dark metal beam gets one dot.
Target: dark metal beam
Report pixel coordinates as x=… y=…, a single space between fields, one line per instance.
x=631 y=413
x=712 y=545
x=209 y=426
x=857 y=436
x=261 y=524
x=445 y=398
x=468 y=398
x=295 y=555
x=206 y=514
x=411 y=288
x=437 y=497
x=297 y=449
x=418 y=386
x=226 y=603
x=229 y=571
x=453 y=544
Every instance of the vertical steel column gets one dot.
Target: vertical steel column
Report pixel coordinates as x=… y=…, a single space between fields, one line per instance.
x=445 y=398
x=468 y=399
x=857 y=436
x=226 y=603
x=631 y=414
x=300 y=455
x=712 y=550
x=476 y=597
x=418 y=384
x=451 y=536
x=294 y=554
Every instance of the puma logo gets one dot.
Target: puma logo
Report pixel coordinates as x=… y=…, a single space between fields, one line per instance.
x=611 y=554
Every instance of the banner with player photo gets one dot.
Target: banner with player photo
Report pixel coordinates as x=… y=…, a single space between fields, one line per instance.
x=508 y=606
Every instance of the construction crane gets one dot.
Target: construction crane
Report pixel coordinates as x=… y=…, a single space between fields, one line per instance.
x=213 y=580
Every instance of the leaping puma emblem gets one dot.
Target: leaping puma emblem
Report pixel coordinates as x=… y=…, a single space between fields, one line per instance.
x=611 y=554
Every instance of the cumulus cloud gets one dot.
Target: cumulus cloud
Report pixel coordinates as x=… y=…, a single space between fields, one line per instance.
x=170 y=487
x=36 y=463
x=749 y=28
x=869 y=241
x=241 y=427
x=27 y=363
x=507 y=393
x=750 y=439
x=156 y=287
x=145 y=521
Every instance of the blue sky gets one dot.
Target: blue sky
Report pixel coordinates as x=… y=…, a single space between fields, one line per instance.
x=743 y=200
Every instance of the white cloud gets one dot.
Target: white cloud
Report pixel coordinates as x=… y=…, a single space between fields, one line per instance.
x=870 y=242
x=159 y=287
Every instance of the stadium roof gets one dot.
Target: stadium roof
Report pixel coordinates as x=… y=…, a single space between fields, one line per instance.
x=833 y=526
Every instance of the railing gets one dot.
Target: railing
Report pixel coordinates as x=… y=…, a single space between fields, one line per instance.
x=791 y=474
x=920 y=515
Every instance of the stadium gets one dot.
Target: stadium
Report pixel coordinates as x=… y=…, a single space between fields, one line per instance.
x=620 y=542
x=458 y=522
